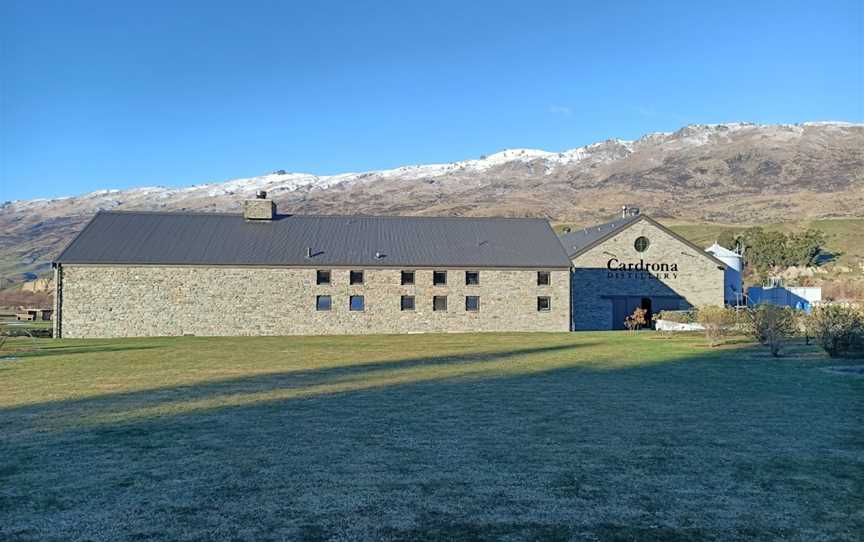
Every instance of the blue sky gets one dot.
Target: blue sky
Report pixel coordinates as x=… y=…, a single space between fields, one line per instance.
x=118 y=94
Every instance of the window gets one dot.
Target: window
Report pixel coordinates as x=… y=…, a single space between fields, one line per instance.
x=356 y=277
x=544 y=304
x=439 y=278
x=407 y=303
x=357 y=303
x=472 y=278
x=407 y=278
x=439 y=303
x=542 y=278
x=322 y=277
x=472 y=303
x=641 y=244
x=322 y=303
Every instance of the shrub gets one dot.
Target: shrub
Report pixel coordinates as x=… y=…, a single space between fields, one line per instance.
x=772 y=326
x=838 y=330
x=636 y=320
x=717 y=321
x=679 y=317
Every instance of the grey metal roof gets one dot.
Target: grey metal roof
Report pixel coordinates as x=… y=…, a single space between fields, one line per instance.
x=577 y=240
x=228 y=239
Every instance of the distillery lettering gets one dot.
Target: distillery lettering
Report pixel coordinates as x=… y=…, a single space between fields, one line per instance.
x=641 y=270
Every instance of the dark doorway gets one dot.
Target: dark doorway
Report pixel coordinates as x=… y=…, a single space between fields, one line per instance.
x=646 y=304
x=619 y=312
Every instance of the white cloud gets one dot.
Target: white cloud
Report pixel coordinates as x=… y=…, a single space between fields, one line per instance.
x=560 y=110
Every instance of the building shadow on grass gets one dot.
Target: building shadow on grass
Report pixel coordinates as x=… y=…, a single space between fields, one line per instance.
x=263 y=383
x=695 y=448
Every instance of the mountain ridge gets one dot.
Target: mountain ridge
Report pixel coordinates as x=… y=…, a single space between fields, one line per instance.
x=731 y=172
x=497 y=158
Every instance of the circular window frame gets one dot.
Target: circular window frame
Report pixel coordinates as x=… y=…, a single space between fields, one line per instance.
x=639 y=241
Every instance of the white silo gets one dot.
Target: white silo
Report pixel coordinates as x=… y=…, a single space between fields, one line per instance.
x=733 y=292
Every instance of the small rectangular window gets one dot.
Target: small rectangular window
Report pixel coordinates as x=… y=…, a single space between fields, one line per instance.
x=472 y=303
x=439 y=278
x=357 y=303
x=322 y=303
x=439 y=303
x=407 y=303
x=407 y=278
x=356 y=277
x=322 y=277
x=472 y=278
x=542 y=278
x=544 y=304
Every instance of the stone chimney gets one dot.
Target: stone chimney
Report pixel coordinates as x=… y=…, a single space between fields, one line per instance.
x=259 y=208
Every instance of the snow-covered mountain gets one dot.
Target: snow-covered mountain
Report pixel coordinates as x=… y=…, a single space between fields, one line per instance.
x=736 y=172
x=154 y=197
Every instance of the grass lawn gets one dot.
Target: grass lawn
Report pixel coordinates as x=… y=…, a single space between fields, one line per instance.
x=585 y=436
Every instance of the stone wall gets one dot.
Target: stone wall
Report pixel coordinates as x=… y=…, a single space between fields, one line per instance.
x=128 y=301
x=697 y=282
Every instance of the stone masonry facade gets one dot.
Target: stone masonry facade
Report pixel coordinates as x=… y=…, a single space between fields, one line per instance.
x=697 y=282
x=134 y=301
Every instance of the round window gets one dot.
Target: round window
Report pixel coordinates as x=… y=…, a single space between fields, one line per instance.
x=641 y=244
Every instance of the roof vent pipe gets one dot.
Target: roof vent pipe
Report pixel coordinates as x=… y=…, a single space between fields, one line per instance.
x=627 y=211
x=308 y=252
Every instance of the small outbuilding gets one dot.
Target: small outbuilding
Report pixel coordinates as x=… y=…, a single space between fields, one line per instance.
x=34 y=315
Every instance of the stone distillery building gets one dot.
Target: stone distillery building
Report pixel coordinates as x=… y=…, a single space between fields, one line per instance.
x=133 y=274
x=635 y=261
x=261 y=273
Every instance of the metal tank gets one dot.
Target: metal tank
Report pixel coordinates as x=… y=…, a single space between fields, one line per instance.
x=733 y=293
